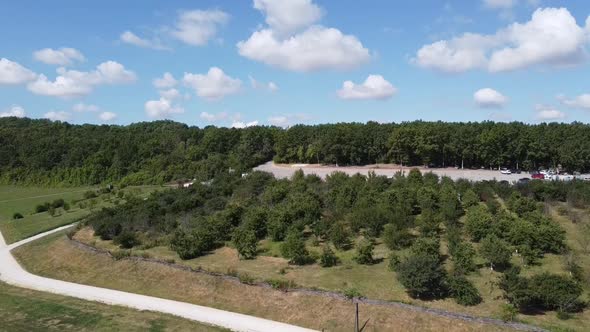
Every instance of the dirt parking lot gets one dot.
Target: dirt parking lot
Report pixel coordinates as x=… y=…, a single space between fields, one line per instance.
x=286 y=170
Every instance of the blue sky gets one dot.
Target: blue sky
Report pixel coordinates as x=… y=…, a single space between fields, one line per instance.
x=296 y=61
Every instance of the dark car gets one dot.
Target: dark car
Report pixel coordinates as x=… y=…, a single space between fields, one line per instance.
x=515 y=171
x=523 y=180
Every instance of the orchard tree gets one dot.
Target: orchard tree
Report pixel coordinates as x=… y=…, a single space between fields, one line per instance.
x=245 y=241
x=495 y=251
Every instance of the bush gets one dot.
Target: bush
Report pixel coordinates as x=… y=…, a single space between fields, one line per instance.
x=58 y=203
x=351 y=293
x=396 y=238
x=89 y=194
x=364 y=252
x=245 y=242
x=463 y=291
x=340 y=236
x=127 y=240
x=294 y=249
x=17 y=215
x=508 y=313
x=193 y=243
x=422 y=275
x=328 y=258
x=42 y=207
x=280 y=284
x=393 y=262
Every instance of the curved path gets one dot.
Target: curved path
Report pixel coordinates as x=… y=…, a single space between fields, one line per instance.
x=12 y=273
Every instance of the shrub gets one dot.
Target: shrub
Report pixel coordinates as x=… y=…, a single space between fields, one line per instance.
x=463 y=291
x=42 y=207
x=17 y=215
x=127 y=240
x=328 y=258
x=294 y=249
x=280 y=284
x=193 y=243
x=422 y=275
x=245 y=242
x=58 y=203
x=393 y=262
x=364 y=252
x=396 y=238
x=351 y=293
x=89 y=194
x=340 y=236
x=508 y=313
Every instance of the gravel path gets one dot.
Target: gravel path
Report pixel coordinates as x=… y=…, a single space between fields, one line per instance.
x=12 y=273
x=285 y=171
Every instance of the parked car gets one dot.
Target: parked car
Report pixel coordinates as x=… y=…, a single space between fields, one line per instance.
x=515 y=171
x=523 y=180
x=505 y=171
x=538 y=176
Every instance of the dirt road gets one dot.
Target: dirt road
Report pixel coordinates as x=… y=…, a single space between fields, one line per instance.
x=12 y=273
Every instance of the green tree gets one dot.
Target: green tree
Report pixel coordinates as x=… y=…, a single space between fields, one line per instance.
x=328 y=258
x=340 y=236
x=495 y=251
x=396 y=238
x=364 y=252
x=422 y=276
x=294 y=249
x=463 y=258
x=245 y=241
x=463 y=291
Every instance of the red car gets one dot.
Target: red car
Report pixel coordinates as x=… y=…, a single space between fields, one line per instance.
x=538 y=176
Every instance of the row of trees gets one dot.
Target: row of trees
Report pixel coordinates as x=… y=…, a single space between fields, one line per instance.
x=52 y=153
x=315 y=220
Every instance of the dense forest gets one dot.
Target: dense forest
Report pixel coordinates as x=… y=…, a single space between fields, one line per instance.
x=52 y=153
x=412 y=215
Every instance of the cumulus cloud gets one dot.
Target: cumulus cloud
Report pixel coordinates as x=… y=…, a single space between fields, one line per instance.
x=12 y=73
x=241 y=124
x=580 y=102
x=197 y=27
x=499 y=4
x=289 y=16
x=107 y=116
x=13 y=111
x=211 y=117
x=257 y=85
x=170 y=94
x=548 y=113
x=64 y=56
x=57 y=116
x=129 y=37
x=291 y=42
x=552 y=37
x=374 y=87
x=489 y=98
x=162 y=108
x=81 y=107
x=165 y=82
x=214 y=85
x=73 y=83
x=286 y=120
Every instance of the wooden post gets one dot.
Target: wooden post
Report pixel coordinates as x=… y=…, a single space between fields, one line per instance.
x=356 y=317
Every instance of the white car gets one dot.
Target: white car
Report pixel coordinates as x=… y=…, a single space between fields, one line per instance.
x=505 y=171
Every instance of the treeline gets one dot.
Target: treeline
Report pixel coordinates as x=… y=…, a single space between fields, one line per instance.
x=56 y=153
x=415 y=216
x=439 y=144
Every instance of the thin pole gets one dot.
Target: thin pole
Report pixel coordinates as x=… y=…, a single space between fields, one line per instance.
x=356 y=317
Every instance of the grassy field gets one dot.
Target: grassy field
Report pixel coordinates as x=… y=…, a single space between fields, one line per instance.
x=26 y=310
x=56 y=257
x=23 y=200
x=376 y=281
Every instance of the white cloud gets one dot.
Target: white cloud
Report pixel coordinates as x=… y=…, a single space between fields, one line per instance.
x=170 y=94
x=15 y=111
x=489 y=98
x=73 y=83
x=291 y=41
x=499 y=4
x=548 y=113
x=162 y=108
x=213 y=117
x=214 y=85
x=63 y=57
x=81 y=107
x=129 y=37
x=13 y=73
x=107 y=116
x=197 y=27
x=552 y=37
x=374 y=87
x=165 y=82
x=581 y=101
x=288 y=16
x=257 y=85
x=287 y=120
x=315 y=48
x=240 y=124
x=57 y=116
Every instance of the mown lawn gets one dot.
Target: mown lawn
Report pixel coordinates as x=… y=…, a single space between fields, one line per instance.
x=23 y=200
x=26 y=310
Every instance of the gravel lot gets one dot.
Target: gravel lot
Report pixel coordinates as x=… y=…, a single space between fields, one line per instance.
x=284 y=171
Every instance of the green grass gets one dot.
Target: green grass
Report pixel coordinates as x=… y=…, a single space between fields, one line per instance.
x=24 y=200
x=26 y=310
